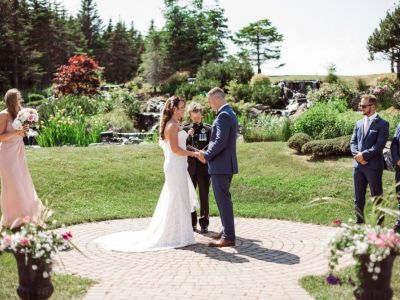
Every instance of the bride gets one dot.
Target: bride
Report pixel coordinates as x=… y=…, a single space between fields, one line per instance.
x=170 y=226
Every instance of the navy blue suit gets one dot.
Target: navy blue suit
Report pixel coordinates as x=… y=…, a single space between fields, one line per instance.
x=222 y=164
x=371 y=147
x=395 y=151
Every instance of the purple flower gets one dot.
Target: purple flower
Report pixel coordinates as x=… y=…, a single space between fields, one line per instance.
x=333 y=280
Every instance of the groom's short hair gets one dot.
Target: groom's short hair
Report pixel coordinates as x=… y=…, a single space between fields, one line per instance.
x=370 y=98
x=217 y=93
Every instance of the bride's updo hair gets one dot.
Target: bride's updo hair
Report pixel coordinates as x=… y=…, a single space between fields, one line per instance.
x=11 y=99
x=168 y=112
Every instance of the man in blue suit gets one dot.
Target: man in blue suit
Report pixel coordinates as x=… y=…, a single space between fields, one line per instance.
x=369 y=138
x=395 y=151
x=222 y=163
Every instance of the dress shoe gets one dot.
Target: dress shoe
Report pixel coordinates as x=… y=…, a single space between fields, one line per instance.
x=222 y=243
x=217 y=236
x=204 y=230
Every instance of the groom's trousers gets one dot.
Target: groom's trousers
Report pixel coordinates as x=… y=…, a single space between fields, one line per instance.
x=221 y=185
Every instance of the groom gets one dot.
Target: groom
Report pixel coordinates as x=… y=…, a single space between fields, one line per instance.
x=222 y=163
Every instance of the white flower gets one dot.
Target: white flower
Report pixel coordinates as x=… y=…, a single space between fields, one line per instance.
x=45 y=275
x=361 y=247
x=377 y=270
x=372 y=257
x=370 y=270
x=374 y=277
x=34 y=267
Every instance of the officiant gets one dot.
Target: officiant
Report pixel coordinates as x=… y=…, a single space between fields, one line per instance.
x=199 y=137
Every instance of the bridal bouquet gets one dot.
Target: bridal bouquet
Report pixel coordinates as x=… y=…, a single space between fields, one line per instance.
x=25 y=116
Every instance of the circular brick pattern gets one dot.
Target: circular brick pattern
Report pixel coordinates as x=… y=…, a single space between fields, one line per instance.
x=269 y=259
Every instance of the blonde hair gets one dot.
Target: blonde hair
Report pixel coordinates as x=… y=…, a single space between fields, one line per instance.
x=11 y=99
x=195 y=107
x=217 y=93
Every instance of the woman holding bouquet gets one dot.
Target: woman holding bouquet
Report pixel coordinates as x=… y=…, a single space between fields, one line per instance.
x=18 y=194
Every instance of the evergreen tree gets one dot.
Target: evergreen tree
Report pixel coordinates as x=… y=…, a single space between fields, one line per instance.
x=91 y=26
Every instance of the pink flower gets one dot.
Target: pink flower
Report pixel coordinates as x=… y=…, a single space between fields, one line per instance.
x=7 y=240
x=67 y=235
x=26 y=219
x=337 y=222
x=24 y=242
x=31 y=118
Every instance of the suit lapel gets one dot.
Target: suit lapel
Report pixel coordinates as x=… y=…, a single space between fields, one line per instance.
x=370 y=126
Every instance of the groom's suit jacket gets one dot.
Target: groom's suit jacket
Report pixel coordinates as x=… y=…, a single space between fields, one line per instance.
x=221 y=152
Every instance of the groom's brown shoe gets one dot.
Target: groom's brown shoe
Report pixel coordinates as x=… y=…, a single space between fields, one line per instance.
x=217 y=236
x=222 y=243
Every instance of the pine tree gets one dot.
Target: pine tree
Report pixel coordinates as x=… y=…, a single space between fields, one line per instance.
x=91 y=26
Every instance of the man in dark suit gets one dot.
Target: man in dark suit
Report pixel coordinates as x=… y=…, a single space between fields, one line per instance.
x=395 y=151
x=199 y=137
x=369 y=138
x=222 y=163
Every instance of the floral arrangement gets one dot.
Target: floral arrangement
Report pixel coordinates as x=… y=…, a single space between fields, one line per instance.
x=25 y=116
x=34 y=240
x=374 y=242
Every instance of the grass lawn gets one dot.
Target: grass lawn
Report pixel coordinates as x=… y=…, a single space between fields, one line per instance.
x=317 y=287
x=66 y=287
x=369 y=79
x=92 y=184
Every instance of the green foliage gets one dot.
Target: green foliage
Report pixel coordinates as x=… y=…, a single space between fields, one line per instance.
x=361 y=84
x=332 y=77
x=35 y=98
x=332 y=92
x=393 y=117
x=222 y=73
x=324 y=120
x=117 y=120
x=257 y=78
x=71 y=105
x=171 y=85
x=260 y=42
x=66 y=129
x=330 y=147
x=298 y=140
x=238 y=91
x=264 y=93
x=266 y=128
x=122 y=98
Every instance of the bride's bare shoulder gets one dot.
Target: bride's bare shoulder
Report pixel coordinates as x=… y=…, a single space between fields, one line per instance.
x=171 y=126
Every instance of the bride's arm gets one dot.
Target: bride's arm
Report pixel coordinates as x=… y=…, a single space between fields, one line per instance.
x=4 y=137
x=171 y=132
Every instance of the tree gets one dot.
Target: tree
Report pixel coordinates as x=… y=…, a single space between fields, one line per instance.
x=154 y=59
x=121 y=58
x=80 y=77
x=260 y=42
x=384 y=42
x=195 y=35
x=91 y=26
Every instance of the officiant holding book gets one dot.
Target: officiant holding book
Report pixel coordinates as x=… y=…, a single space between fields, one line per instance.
x=198 y=138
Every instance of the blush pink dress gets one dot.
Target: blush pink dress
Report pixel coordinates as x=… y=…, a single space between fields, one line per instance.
x=18 y=194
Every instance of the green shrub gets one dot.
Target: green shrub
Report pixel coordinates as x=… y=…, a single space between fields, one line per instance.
x=298 y=140
x=77 y=129
x=35 y=98
x=361 y=84
x=332 y=92
x=241 y=108
x=266 y=128
x=117 y=120
x=393 y=117
x=238 y=91
x=70 y=104
x=260 y=78
x=325 y=120
x=171 y=85
x=331 y=147
x=265 y=94
x=223 y=72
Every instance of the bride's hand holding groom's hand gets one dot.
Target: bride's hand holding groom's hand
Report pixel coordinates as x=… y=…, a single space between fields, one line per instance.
x=201 y=157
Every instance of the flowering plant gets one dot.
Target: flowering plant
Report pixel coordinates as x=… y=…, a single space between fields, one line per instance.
x=374 y=242
x=34 y=240
x=25 y=116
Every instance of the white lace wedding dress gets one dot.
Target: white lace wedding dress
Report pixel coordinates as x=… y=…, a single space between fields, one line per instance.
x=171 y=225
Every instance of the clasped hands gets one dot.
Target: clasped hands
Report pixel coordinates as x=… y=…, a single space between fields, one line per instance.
x=200 y=156
x=360 y=159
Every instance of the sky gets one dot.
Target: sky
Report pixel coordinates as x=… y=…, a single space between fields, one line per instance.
x=317 y=33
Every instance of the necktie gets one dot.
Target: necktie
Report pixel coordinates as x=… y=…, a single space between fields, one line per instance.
x=366 y=125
